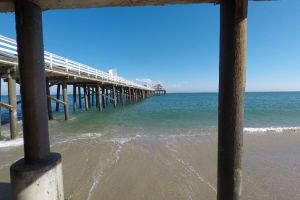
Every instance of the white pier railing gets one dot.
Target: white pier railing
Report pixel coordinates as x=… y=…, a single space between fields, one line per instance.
x=61 y=65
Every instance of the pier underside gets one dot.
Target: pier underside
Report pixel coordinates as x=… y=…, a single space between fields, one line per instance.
x=8 y=5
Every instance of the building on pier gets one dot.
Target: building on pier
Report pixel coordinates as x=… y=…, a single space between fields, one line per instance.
x=159 y=90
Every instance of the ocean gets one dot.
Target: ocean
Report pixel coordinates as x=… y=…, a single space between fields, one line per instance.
x=165 y=147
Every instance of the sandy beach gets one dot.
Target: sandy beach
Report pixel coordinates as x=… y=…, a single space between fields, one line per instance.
x=169 y=167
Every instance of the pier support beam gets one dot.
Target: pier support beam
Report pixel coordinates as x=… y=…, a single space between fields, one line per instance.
x=89 y=96
x=122 y=96
x=0 y=108
x=86 y=99
x=57 y=97
x=39 y=174
x=98 y=98
x=79 y=97
x=50 y=114
x=114 y=97
x=12 y=99
x=103 y=97
x=231 y=98
x=65 y=99
x=74 y=98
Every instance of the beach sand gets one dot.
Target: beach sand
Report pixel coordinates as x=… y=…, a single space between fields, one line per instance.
x=169 y=167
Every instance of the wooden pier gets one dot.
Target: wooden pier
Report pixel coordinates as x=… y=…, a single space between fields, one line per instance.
x=60 y=72
x=31 y=75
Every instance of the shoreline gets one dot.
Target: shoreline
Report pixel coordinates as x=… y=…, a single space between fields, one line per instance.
x=176 y=167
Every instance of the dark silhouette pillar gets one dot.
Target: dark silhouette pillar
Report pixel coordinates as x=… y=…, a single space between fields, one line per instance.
x=231 y=97
x=50 y=114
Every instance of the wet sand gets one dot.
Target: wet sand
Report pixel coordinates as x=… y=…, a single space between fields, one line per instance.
x=169 y=167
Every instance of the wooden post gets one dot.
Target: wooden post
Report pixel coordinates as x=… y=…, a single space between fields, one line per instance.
x=79 y=97
x=50 y=114
x=98 y=98
x=12 y=98
x=114 y=97
x=130 y=94
x=0 y=108
x=93 y=95
x=74 y=97
x=122 y=96
x=89 y=96
x=103 y=97
x=107 y=97
x=57 y=97
x=86 y=99
x=65 y=99
x=33 y=85
x=231 y=97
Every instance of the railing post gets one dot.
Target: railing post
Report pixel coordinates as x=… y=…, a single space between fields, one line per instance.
x=39 y=165
x=231 y=97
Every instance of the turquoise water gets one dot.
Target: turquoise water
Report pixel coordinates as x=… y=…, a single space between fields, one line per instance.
x=173 y=114
x=185 y=114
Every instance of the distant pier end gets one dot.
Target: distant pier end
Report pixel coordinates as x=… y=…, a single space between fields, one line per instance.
x=159 y=90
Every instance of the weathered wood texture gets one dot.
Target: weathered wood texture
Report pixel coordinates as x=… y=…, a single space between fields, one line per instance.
x=65 y=99
x=7 y=5
x=50 y=114
x=57 y=97
x=231 y=97
x=33 y=85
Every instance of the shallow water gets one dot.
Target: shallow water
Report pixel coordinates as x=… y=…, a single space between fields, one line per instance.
x=166 y=148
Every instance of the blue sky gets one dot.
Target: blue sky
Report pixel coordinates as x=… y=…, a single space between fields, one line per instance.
x=177 y=45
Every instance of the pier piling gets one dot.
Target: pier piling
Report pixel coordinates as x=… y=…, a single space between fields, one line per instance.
x=65 y=99
x=74 y=98
x=79 y=97
x=86 y=100
x=12 y=99
x=57 y=97
x=50 y=114
x=231 y=97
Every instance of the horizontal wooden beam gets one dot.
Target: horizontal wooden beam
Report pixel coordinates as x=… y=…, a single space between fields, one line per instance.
x=57 y=100
x=5 y=105
x=8 y=5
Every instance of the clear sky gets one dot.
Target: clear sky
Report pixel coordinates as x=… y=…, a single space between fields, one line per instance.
x=176 y=45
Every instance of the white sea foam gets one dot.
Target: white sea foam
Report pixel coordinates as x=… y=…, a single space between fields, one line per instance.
x=271 y=129
x=7 y=143
x=77 y=137
x=119 y=142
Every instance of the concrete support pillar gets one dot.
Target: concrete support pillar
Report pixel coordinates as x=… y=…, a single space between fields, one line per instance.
x=231 y=97
x=65 y=99
x=38 y=175
x=57 y=97
x=50 y=114
x=86 y=99
x=74 y=98
x=79 y=97
x=12 y=99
